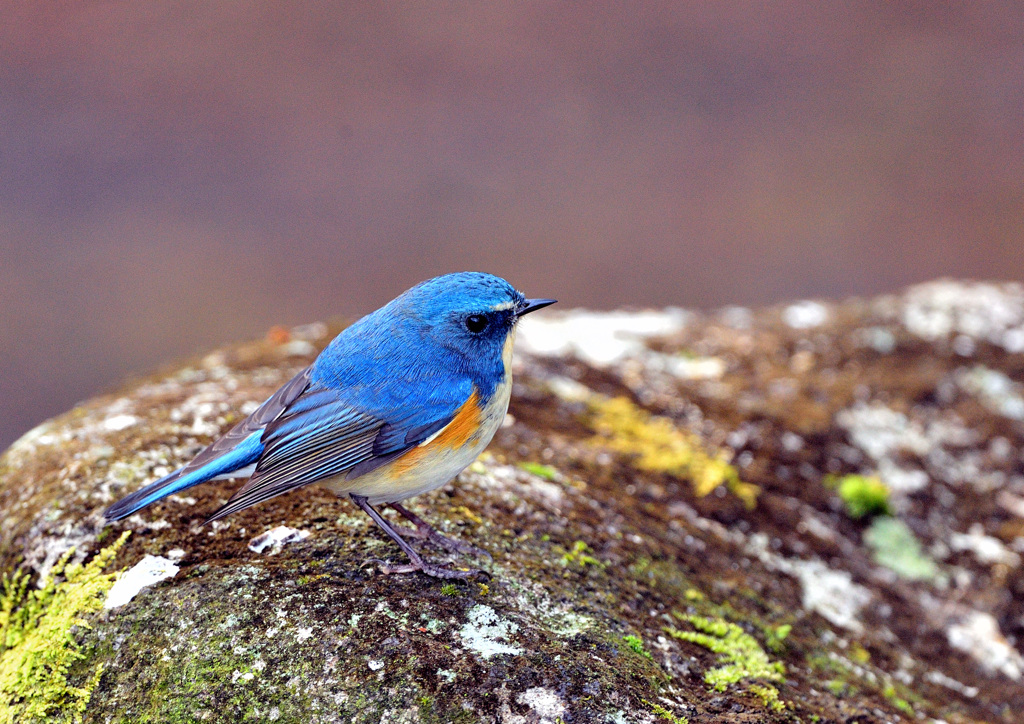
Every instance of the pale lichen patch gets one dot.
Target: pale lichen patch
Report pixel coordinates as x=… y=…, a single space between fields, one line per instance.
x=977 y=633
x=147 y=572
x=488 y=634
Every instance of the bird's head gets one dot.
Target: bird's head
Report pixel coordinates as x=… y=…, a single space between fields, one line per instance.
x=469 y=313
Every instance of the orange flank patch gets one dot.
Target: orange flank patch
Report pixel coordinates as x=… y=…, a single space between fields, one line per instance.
x=452 y=436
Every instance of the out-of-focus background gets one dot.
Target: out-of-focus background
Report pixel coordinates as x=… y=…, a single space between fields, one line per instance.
x=174 y=175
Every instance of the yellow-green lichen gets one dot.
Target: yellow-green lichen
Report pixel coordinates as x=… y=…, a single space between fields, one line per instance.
x=659 y=446
x=37 y=648
x=863 y=495
x=743 y=657
x=540 y=470
x=769 y=697
x=663 y=713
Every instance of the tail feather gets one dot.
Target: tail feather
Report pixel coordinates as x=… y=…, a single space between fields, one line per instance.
x=240 y=456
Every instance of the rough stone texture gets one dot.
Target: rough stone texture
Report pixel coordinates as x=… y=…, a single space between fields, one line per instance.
x=596 y=558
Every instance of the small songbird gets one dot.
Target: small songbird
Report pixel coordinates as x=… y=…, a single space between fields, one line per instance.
x=397 y=404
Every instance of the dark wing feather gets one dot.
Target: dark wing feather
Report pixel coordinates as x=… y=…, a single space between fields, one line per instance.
x=320 y=435
x=266 y=413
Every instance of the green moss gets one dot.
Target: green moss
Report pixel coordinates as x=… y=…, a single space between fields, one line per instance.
x=541 y=471
x=580 y=556
x=839 y=688
x=637 y=644
x=664 y=576
x=890 y=694
x=665 y=714
x=894 y=546
x=863 y=495
x=37 y=644
x=449 y=589
x=775 y=637
x=659 y=446
x=858 y=654
x=769 y=697
x=742 y=654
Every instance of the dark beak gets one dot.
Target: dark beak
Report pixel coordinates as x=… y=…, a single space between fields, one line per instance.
x=532 y=305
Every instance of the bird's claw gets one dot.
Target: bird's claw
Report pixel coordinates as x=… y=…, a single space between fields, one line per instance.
x=430 y=569
x=456 y=546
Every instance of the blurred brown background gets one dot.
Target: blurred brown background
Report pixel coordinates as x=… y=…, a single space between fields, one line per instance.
x=177 y=174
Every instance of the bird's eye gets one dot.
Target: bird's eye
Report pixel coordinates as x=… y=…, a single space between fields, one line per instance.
x=476 y=323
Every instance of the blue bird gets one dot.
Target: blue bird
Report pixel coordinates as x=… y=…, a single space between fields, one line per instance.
x=397 y=404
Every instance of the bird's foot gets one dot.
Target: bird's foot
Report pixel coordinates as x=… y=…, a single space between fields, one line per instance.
x=424 y=531
x=454 y=546
x=431 y=569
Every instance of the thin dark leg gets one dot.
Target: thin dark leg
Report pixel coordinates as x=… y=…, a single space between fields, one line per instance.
x=417 y=563
x=427 y=531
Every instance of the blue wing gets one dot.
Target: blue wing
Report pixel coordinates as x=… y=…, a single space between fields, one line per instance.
x=238 y=448
x=325 y=433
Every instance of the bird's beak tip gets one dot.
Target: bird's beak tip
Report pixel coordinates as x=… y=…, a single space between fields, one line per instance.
x=532 y=305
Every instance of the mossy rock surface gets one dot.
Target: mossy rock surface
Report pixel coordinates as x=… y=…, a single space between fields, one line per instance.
x=707 y=514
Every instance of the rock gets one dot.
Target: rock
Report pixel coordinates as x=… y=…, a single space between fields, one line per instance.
x=671 y=516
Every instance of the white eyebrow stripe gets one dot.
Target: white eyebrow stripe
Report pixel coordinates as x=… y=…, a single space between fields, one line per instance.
x=503 y=306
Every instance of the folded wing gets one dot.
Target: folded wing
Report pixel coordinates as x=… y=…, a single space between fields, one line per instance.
x=321 y=434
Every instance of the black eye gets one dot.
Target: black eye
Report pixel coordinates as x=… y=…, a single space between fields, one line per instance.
x=476 y=323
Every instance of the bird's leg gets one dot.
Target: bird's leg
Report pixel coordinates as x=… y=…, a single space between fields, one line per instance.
x=416 y=562
x=427 y=531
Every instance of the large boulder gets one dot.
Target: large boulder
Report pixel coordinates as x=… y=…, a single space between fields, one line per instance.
x=809 y=513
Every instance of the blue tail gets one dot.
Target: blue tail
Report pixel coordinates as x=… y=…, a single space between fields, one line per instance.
x=244 y=453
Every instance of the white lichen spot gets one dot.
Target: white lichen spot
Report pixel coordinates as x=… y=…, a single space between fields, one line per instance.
x=119 y=422
x=688 y=368
x=487 y=634
x=885 y=435
x=148 y=571
x=599 y=338
x=545 y=703
x=986 y=549
x=880 y=339
x=635 y=717
x=830 y=593
x=245 y=678
x=310 y=332
x=990 y=312
x=978 y=635
x=994 y=389
x=303 y=633
x=805 y=315
x=446 y=675
x=937 y=677
x=881 y=431
x=569 y=390
x=375 y=664
x=275 y=538
x=297 y=348
x=736 y=317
